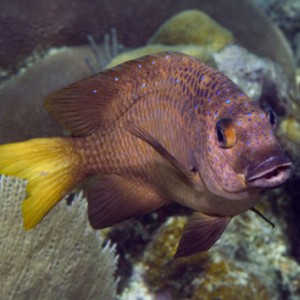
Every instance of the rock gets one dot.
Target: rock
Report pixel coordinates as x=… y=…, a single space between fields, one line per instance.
x=259 y=78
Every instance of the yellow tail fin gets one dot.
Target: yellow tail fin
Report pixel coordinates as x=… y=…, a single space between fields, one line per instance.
x=51 y=167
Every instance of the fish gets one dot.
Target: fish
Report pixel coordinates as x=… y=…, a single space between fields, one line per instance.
x=159 y=129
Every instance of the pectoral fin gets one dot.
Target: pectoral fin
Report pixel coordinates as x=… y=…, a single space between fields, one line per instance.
x=114 y=199
x=175 y=167
x=200 y=233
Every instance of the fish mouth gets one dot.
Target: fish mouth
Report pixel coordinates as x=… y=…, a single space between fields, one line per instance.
x=270 y=173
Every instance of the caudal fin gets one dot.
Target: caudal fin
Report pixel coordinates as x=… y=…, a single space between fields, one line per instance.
x=51 y=167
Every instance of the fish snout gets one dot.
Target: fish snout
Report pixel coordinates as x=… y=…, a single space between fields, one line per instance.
x=270 y=173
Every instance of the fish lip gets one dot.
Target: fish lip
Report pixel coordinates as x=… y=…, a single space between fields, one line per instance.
x=270 y=173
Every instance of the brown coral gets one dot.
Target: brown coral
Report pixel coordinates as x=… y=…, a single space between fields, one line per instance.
x=23 y=95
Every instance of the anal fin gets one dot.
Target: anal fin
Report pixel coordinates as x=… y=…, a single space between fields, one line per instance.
x=200 y=233
x=114 y=198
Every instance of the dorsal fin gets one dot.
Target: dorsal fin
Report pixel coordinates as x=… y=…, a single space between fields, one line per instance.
x=99 y=100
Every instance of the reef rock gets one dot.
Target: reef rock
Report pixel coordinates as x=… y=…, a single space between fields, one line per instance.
x=259 y=78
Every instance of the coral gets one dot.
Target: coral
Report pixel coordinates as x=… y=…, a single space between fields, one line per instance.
x=261 y=253
x=62 y=259
x=202 y=53
x=290 y=128
x=111 y=47
x=191 y=32
x=23 y=95
x=202 y=276
x=249 y=262
x=23 y=31
x=192 y=27
x=223 y=280
x=286 y=14
x=259 y=78
x=162 y=271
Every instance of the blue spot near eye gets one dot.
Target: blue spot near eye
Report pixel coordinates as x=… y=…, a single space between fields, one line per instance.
x=153 y=62
x=216 y=113
x=94 y=91
x=248 y=114
x=139 y=65
x=176 y=80
x=201 y=77
x=262 y=115
x=143 y=85
x=116 y=78
x=241 y=94
x=248 y=143
x=196 y=106
x=227 y=101
x=209 y=99
x=218 y=92
x=239 y=122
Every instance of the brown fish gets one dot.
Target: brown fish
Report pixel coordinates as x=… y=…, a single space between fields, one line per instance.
x=158 y=129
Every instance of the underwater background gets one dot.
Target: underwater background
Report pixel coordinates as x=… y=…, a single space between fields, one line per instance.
x=47 y=45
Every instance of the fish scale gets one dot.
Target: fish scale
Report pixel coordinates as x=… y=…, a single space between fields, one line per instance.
x=159 y=129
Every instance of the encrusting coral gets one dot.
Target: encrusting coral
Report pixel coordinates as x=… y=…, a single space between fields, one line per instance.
x=249 y=262
x=191 y=32
x=200 y=52
x=192 y=27
x=259 y=78
x=290 y=127
x=62 y=259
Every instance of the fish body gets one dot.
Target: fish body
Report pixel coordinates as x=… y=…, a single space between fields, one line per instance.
x=158 y=129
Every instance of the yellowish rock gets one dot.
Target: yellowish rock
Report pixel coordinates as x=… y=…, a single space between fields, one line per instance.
x=191 y=32
x=222 y=280
x=192 y=27
x=202 y=53
x=290 y=127
x=162 y=269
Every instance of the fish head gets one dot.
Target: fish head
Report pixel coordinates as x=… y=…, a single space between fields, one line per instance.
x=243 y=152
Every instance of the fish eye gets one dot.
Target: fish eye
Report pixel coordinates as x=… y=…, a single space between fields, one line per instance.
x=271 y=115
x=225 y=133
